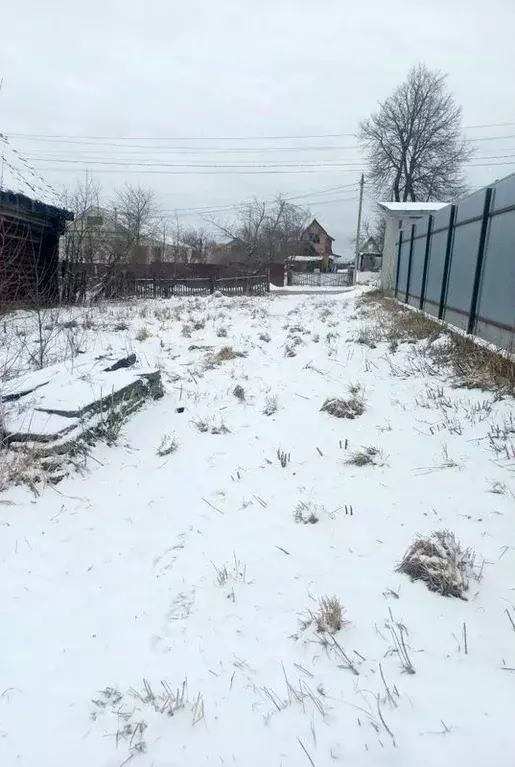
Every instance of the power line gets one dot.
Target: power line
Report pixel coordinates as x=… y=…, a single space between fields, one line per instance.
x=288 y=198
x=182 y=138
x=271 y=137
x=197 y=149
x=119 y=163
x=316 y=169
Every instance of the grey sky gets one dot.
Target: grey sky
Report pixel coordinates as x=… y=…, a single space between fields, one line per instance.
x=243 y=68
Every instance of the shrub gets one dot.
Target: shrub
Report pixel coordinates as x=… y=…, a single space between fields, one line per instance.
x=307 y=513
x=368 y=456
x=344 y=408
x=168 y=446
x=441 y=562
x=239 y=392
x=142 y=335
x=271 y=404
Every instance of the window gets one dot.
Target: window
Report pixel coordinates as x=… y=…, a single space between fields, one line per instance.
x=315 y=238
x=94 y=220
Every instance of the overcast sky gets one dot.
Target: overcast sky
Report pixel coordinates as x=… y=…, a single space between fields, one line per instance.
x=206 y=69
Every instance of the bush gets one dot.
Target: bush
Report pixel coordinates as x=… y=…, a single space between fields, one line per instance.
x=441 y=562
x=351 y=408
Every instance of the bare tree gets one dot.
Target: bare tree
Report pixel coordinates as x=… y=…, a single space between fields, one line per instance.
x=264 y=232
x=414 y=142
x=82 y=243
x=138 y=215
x=200 y=241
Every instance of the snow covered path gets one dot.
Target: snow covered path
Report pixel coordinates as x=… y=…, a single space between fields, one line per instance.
x=192 y=567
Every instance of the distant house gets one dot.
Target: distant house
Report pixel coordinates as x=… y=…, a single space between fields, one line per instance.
x=316 y=246
x=370 y=256
x=96 y=236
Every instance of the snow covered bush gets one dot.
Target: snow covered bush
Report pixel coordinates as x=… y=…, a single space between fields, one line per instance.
x=307 y=513
x=351 y=408
x=271 y=404
x=441 y=562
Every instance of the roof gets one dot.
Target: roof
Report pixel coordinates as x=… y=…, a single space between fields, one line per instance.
x=316 y=223
x=307 y=258
x=17 y=200
x=413 y=207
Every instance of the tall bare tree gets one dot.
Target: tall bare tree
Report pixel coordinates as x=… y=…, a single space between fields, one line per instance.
x=138 y=214
x=82 y=244
x=414 y=142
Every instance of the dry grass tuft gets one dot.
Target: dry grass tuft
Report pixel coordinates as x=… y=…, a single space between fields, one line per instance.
x=225 y=354
x=441 y=562
x=351 y=408
x=168 y=446
x=307 y=513
x=143 y=334
x=271 y=404
x=264 y=337
x=221 y=332
x=368 y=456
x=327 y=618
x=239 y=392
x=205 y=426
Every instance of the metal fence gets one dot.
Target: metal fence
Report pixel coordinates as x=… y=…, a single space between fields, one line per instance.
x=320 y=279
x=459 y=264
x=128 y=286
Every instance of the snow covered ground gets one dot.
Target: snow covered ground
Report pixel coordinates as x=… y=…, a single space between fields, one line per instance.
x=156 y=610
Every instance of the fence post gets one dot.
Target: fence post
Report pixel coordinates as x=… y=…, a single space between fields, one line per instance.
x=426 y=262
x=446 y=265
x=399 y=250
x=211 y=285
x=154 y=286
x=480 y=260
x=410 y=258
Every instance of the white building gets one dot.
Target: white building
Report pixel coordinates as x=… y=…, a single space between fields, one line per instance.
x=400 y=215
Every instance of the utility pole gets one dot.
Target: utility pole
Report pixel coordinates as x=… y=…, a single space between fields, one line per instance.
x=358 y=228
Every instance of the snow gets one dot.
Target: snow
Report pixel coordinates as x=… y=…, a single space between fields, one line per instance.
x=367 y=277
x=192 y=566
x=413 y=207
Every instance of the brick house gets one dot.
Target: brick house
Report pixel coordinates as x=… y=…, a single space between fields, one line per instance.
x=320 y=241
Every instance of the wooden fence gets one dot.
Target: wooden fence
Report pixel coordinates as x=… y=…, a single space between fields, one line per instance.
x=129 y=286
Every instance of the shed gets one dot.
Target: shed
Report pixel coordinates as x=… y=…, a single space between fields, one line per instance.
x=29 y=249
x=398 y=215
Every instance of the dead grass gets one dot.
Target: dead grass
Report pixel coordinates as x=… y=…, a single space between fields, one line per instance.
x=264 y=337
x=271 y=404
x=473 y=365
x=367 y=456
x=327 y=618
x=307 y=513
x=143 y=334
x=440 y=561
x=207 y=426
x=168 y=446
x=225 y=354
x=350 y=408
x=239 y=392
